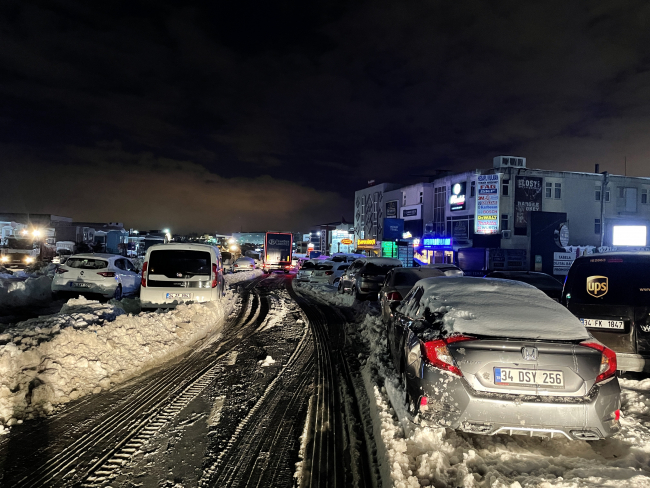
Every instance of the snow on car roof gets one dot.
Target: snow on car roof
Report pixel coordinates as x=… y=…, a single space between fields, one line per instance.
x=383 y=261
x=495 y=307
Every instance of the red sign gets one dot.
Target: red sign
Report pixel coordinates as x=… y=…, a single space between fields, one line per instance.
x=347 y=242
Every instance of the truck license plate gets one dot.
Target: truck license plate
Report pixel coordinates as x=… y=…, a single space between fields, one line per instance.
x=178 y=295
x=603 y=324
x=513 y=376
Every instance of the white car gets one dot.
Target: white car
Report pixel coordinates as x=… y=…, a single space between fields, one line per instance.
x=179 y=272
x=329 y=272
x=243 y=264
x=306 y=269
x=107 y=275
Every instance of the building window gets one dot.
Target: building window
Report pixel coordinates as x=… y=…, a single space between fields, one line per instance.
x=472 y=189
x=644 y=196
x=558 y=190
x=598 y=191
x=403 y=199
x=420 y=197
x=607 y=194
x=506 y=188
x=597 y=226
x=504 y=221
x=621 y=192
x=549 y=190
x=439 y=204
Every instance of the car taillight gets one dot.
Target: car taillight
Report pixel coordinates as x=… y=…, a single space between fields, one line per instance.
x=236 y=266
x=607 y=360
x=143 y=280
x=394 y=296
x=214 y=272
x=328 y=273
x=106 y=274
x=437 y=353
x=61 y=270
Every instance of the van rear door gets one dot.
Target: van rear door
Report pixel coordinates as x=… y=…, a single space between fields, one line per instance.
x=179 y=268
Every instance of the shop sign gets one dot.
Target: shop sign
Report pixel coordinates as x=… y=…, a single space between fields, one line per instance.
x=433 y=242
x=347 y=242
x=366 y=243
x=393 y=229
x=487 y=204
x=411 y=213
x=528 y=198
x=458 y=196
x=391 y=209
x=562 y=261
x=460 y=230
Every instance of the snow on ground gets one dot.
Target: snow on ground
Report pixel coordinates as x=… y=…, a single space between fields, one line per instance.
x=420 y=454
x=26 y=288
x=233 y=278
x=326 y=293
x=91 y=346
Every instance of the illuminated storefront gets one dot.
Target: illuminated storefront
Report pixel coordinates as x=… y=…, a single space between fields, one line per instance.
x=430 y=250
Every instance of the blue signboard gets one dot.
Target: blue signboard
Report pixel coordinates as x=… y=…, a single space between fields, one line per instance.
x=393 y=229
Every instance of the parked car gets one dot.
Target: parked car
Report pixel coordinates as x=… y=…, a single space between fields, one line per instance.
x=227 y=261
x=398 y=284
x=446 y=268
x=541 y=281
x=108 y=275
x=306 y=270
x=491 y=356
x=178 y=272
x=610 y=294
x=243 y=264
x=329 y=272
x=365 y=276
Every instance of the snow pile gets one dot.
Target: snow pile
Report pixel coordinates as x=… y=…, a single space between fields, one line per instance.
x=267 y=362
x=32 y=291
x=326 y=293
x=233 y=278
x=91 y=346
x=494 y=307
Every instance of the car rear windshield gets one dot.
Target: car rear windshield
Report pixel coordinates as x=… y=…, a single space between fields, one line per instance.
x=171 y=262
x=321 y=267
x=83 y=263
x=308 y=265
x=612 y=282
x=374 y=269
x=411 y=277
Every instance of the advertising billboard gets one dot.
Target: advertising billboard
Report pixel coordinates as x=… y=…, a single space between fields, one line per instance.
x=630 y=235
x=391 y=209
x=528 y=198
x=458 y=197
x=487 y=204
x=393 y=229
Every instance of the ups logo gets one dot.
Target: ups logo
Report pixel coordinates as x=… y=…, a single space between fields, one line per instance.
x=597 y=286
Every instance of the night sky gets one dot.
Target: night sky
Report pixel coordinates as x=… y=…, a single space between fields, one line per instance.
x=218 y=116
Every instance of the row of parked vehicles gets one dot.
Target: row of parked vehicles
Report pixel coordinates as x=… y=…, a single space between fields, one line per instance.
x=513 y=352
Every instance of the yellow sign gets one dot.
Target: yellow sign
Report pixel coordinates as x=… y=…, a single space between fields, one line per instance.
x=597 y=286
x=347 y=242
x=366 y=242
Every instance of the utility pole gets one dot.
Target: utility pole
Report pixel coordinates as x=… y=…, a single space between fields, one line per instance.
x=602 y=206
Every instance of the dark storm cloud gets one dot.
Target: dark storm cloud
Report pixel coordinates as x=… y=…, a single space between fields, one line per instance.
x=321 y=98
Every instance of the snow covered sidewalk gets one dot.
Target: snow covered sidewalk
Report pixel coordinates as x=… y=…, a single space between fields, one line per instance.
x=90 y=346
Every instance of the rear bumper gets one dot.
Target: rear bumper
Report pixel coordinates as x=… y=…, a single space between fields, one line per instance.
x=105 y=289
x=458 y=406
x=632 y=362
x=157 y=297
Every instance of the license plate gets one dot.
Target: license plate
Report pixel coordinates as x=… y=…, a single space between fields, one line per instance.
x=514 y=376
x=178 y=295
x=80 y=285
x=603 y=324
x=318 y=273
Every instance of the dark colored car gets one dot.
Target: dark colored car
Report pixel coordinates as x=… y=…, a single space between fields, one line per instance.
x=610 y=294
x=365 y=277
x=541 y=281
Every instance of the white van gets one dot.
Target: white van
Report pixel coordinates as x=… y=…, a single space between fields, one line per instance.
x=174 y=273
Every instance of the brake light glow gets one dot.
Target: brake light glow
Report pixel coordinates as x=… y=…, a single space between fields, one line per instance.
x=61 y=270
x=106 y=274
x=437 y=353
x=617 y=415
x=143 y=280
x=214 y=275
x=607 y=360
x=394 y=296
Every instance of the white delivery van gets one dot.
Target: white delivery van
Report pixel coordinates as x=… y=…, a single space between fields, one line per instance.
x=173 y=273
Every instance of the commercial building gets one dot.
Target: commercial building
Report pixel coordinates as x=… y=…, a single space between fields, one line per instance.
x=511 y=216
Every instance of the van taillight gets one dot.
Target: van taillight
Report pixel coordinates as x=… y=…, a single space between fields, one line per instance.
x=143 y=280
x=607 y=360
x=215 y=275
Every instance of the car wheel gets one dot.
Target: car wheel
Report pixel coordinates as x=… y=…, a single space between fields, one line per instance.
x=56 y=295
x=118 y=293
x=358 y=296
x=340 y=290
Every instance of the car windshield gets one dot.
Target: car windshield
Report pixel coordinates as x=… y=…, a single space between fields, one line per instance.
x=86 y=263
x=321 y=267
x=610 y=282
x=374 y=269
x=171 y=262
x=412 y=276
